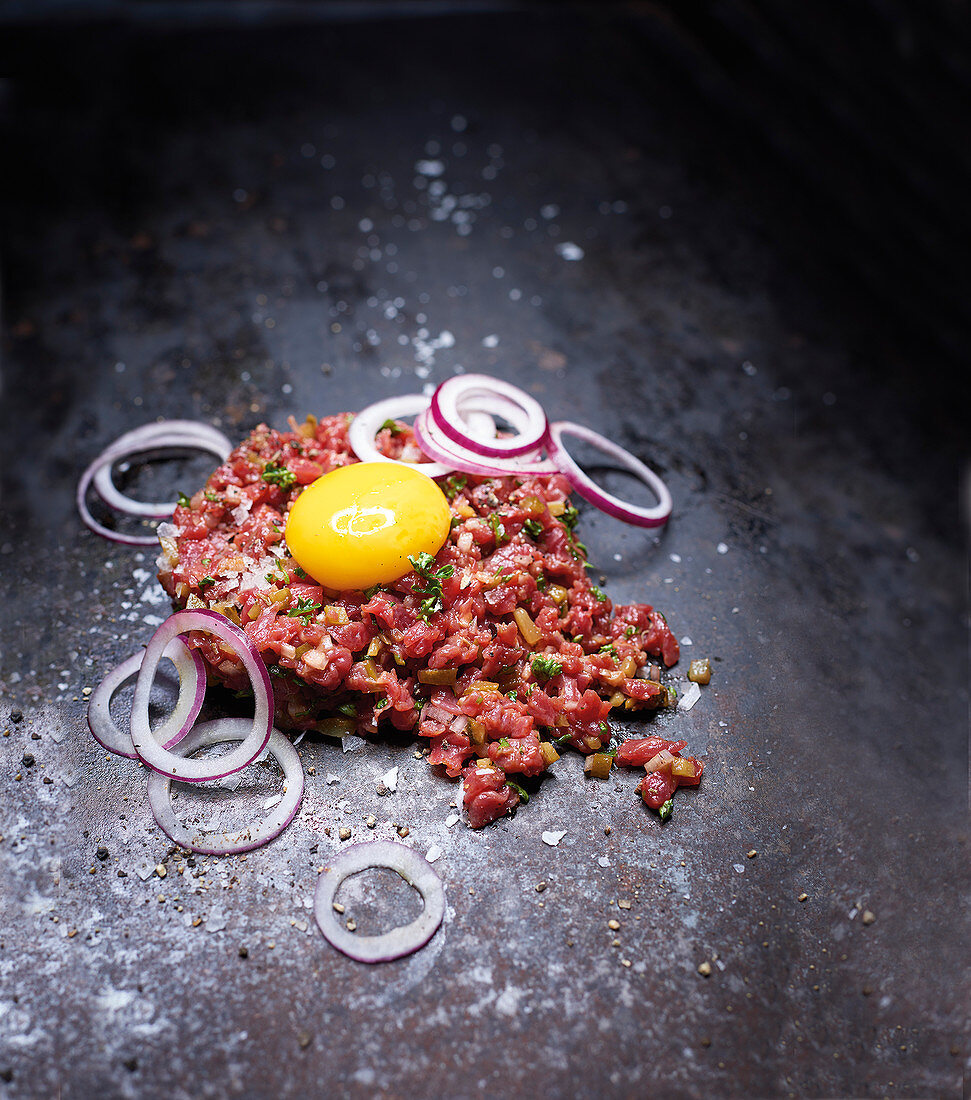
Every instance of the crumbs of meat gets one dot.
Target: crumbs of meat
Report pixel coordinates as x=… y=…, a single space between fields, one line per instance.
x=515 y=655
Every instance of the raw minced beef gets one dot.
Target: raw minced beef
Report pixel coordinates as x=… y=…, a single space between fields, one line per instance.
x=520 y=655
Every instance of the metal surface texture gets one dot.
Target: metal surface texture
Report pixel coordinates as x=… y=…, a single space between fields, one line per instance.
x=241 y=224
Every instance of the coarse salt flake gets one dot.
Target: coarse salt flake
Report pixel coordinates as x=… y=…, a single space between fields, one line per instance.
x=434 y=853
x=691 y=696
x=390 y=779
x=553 y=838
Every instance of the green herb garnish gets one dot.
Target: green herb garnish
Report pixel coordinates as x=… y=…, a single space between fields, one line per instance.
x=423 y=565
x=533 y=528
x=184 y=501
x=498 y=530
x=609 y=648
x=666 y=810
x=275 y=474
x=523 y=796
x=304 y=607
x=393 y=427
x=455 y=484
x=601 y=596
x=547 y=667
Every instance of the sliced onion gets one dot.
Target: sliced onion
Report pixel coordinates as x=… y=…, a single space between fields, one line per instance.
x=413 y=868
x=479 y=391
x=192 y=690
x=366 y=425
x=169 y=763
x=212 y=842
x=178 y=435
x=439 y=447
x=606 y=502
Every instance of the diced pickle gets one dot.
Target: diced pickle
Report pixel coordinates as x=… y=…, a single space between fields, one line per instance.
x=598 y=765
x=700 y=671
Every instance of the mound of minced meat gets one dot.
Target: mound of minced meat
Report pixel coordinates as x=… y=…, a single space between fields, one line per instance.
x=499 y=651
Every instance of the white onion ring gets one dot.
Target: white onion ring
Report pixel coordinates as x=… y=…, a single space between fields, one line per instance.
x=521 y=409
x=172 y=435
x=165 y=435
x=438 y=446
x=211 y=842
x=162 y=760
x=413 y=868
x=192 y=691
x=587 y=488
x=366 y=425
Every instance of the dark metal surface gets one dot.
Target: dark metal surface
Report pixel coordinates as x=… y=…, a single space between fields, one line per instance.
x=239 y=225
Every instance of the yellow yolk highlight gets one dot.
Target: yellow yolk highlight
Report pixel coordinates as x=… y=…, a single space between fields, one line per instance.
x=356 y=526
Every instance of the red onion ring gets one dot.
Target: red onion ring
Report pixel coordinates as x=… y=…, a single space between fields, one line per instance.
x=587 y=488
x=211 y=842
x=161 y=436
x=438 y=446
x=521 y=409
x=163 y=760
x=192 y=690
x=397 y=943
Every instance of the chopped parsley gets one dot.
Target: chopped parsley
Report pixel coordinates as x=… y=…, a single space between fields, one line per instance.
x=303 y=607
x=211 y=496
x=275 y=474
x=498 y=529
x=184 y=501
x=569 y=517
x=348 y=710
x=455 y=484
x=609 y=648
x=547 y=667
x=423 y=565
x=597 y=592
x=393 y=427
x=666 y=810
x=204 y=582
x=630 y=631
x=523 y=796
x=381 y=704
x=533 y=528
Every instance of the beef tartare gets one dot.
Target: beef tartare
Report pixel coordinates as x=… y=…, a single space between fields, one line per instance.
x=498 y=650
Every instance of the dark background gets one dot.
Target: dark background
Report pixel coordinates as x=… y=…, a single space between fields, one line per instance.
x=218 y=211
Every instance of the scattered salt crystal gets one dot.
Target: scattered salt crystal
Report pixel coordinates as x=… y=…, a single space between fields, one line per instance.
x=691 y=696
x=739 y=867
x=352 y=743
x=452 y=819
x=550 y=210
x=569 y=251
x=230 y=782
x=272 y=801
x=686 y=640
x=434 y=853
x=390 y=779
x=676 y=558
x=331 y=778
x=553 y=838
x=490 y=341
x=604 y=861
x=722 y=548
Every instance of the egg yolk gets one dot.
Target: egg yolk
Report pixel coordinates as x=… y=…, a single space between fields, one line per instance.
x=356 y=526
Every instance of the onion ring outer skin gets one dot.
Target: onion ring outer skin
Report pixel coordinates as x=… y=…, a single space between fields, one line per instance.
x=208 y=841
x=589 y=490
x=522 y=410
x=178 y=433
x=192 y=692
x=198 y=771
x=397 y=943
